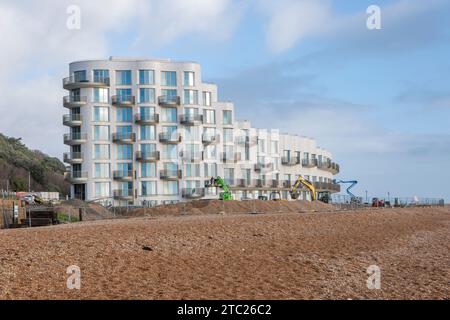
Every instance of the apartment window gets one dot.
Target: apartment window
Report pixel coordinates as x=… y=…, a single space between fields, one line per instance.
x=169 y=78
x=206 y=98
x=123 y=77
x=101 y=76
x=101 y=170
x=306 y=155
x=146 y=111
x=101 y=95
x=189 y=79
x=148 y=188
x=101 y=151
x=227 y=117
x=169 y=93
x=102 y=189
x=227 y=135
x=210 y=169
x=209 y=116
x=169 y=115
x=170 y=130
x=229 y=175
x=192 y=133
x=246 y=175
x=169 y=152
x=125 y=152
x=79 y=76
x=147 y=95
x=124 y=129
x=123 y=94
x=190 y=96
x=148 y=170
x=192 y=170
x=274 y=146
x=148 y=132
x=124 y=115
x=101 y=114
x=170 y=188
x=211 y=152
x=298 y=156
x=261 y=145
x=148 y=147
x=228 y=151
x=101 y=133
x=146 y=77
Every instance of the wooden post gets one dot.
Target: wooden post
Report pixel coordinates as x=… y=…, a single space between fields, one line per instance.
x=80 y=214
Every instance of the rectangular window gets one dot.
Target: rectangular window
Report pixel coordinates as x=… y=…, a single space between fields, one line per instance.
x=148 y=148
x=192 y=133
x=146 y=77
x=101 y=133
x=101 y=151
x=190 y=96
x=169 y=78
x=169 y=115
x=123 y=95
x=261 y=145
x=102 y=189
x=101 y=76
x=148 y=170
x=210 y=169
x=189 y=78
x=227 y=117
x=123 y=77
x=227 y=135
x=124 y=114
x=229 y=175
x=148 y=132
x=101 y=114
x=102 y=170
x=149 y=188
x=274 y=146
x=125 y=152
x=209 y=116
x=170 y=187
x=101 y=95
x=169 y=152
x=192 y=170
x=206 y=98
x=210 y=152
x=80 y=76
x=169 y=93
x=146 y=95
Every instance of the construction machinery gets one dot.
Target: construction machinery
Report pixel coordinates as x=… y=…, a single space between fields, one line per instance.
x=218 y=182
x=353 y=198
x=295 y=192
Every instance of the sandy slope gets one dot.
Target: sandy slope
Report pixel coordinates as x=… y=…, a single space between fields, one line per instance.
x=264 y=256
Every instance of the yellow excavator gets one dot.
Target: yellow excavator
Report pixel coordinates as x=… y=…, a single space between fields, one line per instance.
x=295 y=192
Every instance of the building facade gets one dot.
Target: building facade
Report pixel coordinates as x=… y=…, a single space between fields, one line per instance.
x=148 y=132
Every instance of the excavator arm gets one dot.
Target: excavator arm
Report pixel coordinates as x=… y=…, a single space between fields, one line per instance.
x=302 y=182
x=220 y=183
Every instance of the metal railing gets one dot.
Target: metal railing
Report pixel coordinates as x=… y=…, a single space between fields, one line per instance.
x=168 y=137
x=123 y=99
x=192 y=193
x=75 y=137
x=74 y=100
x=146 y=118
x=123 y=174
x=192 y=155
x=72 y=156
x=123 y=193
x=170 y=174
x=124 y=137
x=191 y=119
x=75 y=81
x=169 y=100
x=149 y=156
x=210 y=138
x=289 y=161
x=71 y=118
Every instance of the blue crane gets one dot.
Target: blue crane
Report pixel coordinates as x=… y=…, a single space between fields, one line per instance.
x=353 y=183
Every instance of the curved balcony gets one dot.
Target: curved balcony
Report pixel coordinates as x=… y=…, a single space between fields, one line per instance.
x=170 y=174
x=147 y=156
x=193 y=193
x=192 y=156
x=334 y=168
x=125 y=194
x=74 y=101
x=309 y=163
x=289 y=161
x=72 y=120
x=73 y=157
x=146 y=118
x=124 y=137
x=70 y=83
x=191 y=119
x=169 y=138
x=210 y=138
x=231 y=158
x=169 y=101
x=75 y=138
x=76 y=177
x=265 y=167
x=327 y=186
x=246 y=140
x=123 y=175
x=123 y=100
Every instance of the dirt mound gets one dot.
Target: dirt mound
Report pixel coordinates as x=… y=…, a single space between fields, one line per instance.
x=91 y=211
x=228 y=207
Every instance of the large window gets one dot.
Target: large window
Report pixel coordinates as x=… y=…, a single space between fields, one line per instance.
x=170 y=187
x=125 y=152
x=261 y=145
x=101 y=170
x=169 y=115
x=210 y=169
x=123 y=95
x=209 y=116
x=101 y=151
x=211 y=151
x=192 y=133
x=189 y=78
x=274 y=146
x=124 y=114
x=102 y=189
x=148 y=148
x=101 y=95
x=101 y=133
x=146 y=77
x=101 y=76
x=123 y=77
x=169 y=93
x=148 y=170
x=190 y=96
x=227 y=117
x=101 y=114
x=192 y=170
x=169 y=78
x=169 y=151
x=149 y=188
x=227 y=135
x=79 y=76
x=148 y=132
x=147 y=95
x=206 y=98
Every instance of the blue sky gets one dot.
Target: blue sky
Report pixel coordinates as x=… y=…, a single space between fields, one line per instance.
x=378 y=99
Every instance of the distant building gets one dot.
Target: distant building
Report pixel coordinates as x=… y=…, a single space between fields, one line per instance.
x=146 y=131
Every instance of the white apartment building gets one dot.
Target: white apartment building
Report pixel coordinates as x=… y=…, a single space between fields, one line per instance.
x=151 y=131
